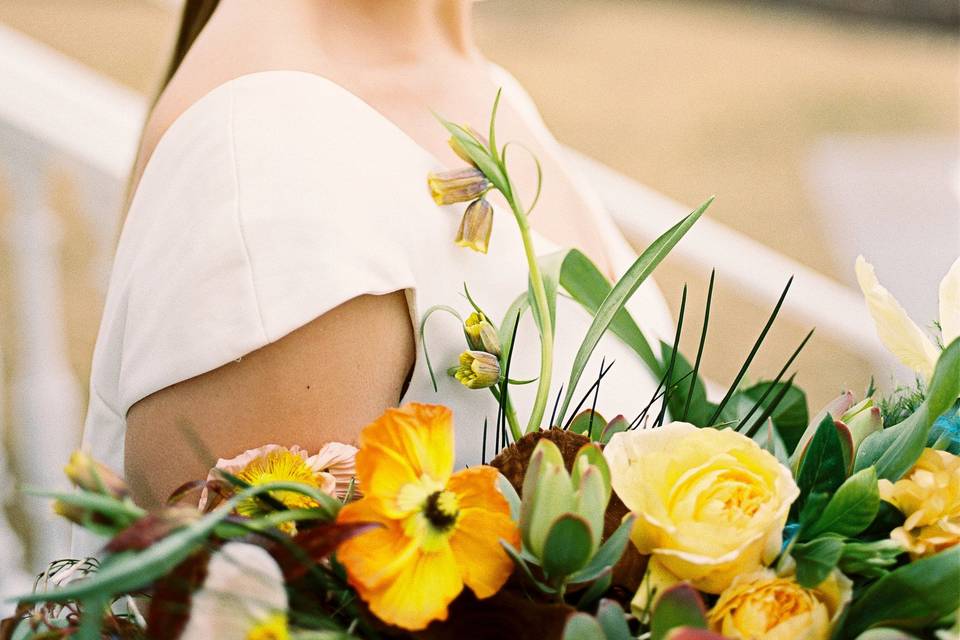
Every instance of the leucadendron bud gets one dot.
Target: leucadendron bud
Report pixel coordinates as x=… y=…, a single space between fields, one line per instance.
x=459 y=185
x=478 y=369
x=476 y=226
x=481 y=336
x=88 y=474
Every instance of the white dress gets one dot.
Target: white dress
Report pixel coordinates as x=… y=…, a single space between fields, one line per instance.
x=280 y=195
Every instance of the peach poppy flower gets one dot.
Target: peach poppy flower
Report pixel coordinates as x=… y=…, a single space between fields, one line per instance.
x=440 y=530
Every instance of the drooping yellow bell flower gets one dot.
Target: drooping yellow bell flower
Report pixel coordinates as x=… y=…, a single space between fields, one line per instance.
x=898 y=332
x=440 y=530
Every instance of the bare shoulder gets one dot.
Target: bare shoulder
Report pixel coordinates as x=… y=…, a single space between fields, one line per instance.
x=323 y=382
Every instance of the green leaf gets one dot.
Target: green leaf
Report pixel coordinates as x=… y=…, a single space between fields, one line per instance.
x=510 y=319
x=621 y=292
x=129 y=571
x=613 y=620
x=678 y=606
x=895 y=450
x=591 y=455
x=480 y=156
x=587 y=421
x=423 y=337
x=568 y=546
x=885 y=634
x=608 y=554
x=816 y=559
x=791 y=415
x=851 y=509
x=597 y=589
x=581 y=626
x=914 y=596
x=822 y=467
x=586 y=284
x=681 y=380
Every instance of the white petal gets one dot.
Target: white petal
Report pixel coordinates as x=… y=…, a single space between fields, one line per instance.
x=950 y=304
x=244 y=586
x=896 y=330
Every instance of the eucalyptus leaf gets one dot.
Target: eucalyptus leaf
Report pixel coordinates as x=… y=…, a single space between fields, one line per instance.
x=912 y=597
x=621 y=292
x=894 y=450
x=851 y=509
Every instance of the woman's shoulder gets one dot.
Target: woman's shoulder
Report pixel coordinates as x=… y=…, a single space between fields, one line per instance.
x=270 y=201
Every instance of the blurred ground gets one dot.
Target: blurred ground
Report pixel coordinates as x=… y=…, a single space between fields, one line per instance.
x=691 y=97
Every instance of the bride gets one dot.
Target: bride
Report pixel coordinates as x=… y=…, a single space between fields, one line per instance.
x=281 y=244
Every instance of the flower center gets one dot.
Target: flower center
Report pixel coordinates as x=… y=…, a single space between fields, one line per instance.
x=277 y=466
x=273 y=627
x=441 y=509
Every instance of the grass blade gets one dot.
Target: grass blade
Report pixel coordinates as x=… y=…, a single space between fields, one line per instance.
x=703 y=339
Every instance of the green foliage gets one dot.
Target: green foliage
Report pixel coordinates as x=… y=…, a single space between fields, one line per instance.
x=686 y=386
x=895 y=450
x=588 y=422
x=851 y=509
x=816 y=559
x=822 y=466
x=567 y=547
x=678 y=606
x=914 y=596
x=621 y=292
x=901 y=404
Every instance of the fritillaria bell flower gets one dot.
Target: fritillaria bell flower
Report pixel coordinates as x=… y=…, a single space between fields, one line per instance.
x=481 y=335
x=477 y=370
x=458 y=185
x=476 y=226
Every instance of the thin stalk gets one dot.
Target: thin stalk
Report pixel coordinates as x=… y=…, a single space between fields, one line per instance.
x=546 y=325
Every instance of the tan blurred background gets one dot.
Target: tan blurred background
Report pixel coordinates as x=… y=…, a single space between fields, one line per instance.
x=763 y=103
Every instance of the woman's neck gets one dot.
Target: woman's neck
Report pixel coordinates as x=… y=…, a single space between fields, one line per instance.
x=366 y=32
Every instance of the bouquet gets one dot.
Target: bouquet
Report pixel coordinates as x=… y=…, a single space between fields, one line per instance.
x=743 y=518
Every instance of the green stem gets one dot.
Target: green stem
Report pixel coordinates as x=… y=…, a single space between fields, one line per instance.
x=511 y=416
x=546 y=324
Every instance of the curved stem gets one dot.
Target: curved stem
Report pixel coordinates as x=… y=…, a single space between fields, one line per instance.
x=546 y=322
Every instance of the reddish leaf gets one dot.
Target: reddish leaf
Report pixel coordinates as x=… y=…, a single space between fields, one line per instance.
x=152 y=528
x=314 y=543
x=170 y=605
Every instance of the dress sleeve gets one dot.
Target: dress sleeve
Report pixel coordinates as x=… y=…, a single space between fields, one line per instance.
x=278 y=199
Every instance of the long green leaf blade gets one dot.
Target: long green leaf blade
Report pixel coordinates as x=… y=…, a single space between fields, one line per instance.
x=621 y=292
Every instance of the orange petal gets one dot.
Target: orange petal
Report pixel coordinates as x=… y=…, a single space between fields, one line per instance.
x=484 y=565
x=484 y=521
x=378 y=555
x=403 y=445
x=420 y=593
x=476 y=488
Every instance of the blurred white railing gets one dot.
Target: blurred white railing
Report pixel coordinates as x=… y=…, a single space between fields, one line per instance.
x=57 y=113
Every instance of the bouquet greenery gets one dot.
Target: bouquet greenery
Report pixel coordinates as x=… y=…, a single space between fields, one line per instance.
x=742 y=518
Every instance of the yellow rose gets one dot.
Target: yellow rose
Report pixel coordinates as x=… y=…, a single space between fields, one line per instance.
x=710 y=503
x=764 y=606
x=929 y=495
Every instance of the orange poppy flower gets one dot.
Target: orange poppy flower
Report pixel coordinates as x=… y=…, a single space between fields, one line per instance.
x=441 y=530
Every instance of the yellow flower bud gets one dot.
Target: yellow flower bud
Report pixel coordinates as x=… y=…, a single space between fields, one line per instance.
x=459 y=185
x=460 y=151
x=478 y=370
x=476 y=226
x=88 y=474
x=71 y=512
x=481 y=335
